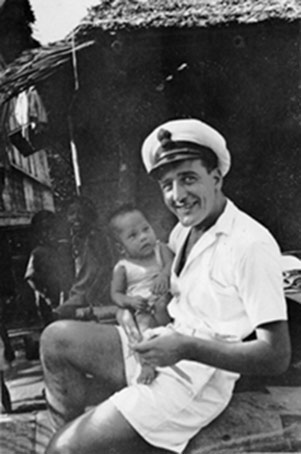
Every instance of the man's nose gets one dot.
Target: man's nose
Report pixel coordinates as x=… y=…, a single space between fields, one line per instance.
x=178 y=191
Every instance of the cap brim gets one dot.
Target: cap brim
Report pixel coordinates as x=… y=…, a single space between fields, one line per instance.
x=176 y=156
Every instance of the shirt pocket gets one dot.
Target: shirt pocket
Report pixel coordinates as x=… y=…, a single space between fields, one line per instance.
x=226 y=297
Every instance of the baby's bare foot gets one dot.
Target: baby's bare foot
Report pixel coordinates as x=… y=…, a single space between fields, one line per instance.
x=147 y=374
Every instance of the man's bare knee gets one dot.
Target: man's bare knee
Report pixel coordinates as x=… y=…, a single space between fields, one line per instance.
x=101 y=430
x=53 y=339
x=88 y=347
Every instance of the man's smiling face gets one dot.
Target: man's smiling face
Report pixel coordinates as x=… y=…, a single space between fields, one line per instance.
x=191 y=192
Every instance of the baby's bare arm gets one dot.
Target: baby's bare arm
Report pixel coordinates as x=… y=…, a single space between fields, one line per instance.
x=118 y=292
x=162 y=282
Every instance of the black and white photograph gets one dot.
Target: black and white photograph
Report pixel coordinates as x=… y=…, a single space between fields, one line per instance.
x=150 y=226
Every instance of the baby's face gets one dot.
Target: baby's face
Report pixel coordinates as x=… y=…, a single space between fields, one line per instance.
x=136 y=234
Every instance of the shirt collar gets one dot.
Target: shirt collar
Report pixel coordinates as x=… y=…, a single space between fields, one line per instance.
x=225 y=222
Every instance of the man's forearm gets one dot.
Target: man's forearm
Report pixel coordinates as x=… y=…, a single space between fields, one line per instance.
x=251 y=357
x=245 y=358
x=269 y=354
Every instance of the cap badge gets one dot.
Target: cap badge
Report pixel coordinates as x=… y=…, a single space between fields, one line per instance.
x=164 y=136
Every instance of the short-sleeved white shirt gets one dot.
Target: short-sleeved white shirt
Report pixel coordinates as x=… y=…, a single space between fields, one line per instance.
x=231 y=281
x=230 y=284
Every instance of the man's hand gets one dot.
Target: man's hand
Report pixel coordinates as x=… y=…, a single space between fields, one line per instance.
x=268 y=354
x=164 y=350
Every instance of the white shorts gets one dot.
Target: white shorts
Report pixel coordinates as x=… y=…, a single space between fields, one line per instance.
x=177 y=404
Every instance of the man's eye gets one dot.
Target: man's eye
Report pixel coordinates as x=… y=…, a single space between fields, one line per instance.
x=166 y=186
x=189 y=180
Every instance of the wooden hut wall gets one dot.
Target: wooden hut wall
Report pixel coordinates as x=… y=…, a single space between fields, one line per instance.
x=244 y=80
x=115 y=108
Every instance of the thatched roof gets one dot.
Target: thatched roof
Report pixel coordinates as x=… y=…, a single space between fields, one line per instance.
x=35 y=65
x=115 y=15
x=120 y=14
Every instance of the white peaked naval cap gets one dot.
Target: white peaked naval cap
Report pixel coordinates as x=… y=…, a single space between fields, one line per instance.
x=182 y=139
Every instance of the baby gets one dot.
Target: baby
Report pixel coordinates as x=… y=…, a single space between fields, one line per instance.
x=140 y=281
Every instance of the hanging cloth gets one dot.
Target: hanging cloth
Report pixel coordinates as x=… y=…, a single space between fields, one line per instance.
x=27 y=122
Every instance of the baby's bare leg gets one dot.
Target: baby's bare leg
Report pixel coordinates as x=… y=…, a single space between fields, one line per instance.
x=146 y=320
x=134 y=326
x=127 y=320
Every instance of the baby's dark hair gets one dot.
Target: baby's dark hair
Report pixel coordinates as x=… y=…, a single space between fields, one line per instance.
x=121 y=210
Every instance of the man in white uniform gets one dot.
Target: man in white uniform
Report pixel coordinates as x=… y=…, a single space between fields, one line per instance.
x=226 y=284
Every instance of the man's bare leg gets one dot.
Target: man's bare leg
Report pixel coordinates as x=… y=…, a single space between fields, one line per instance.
x=102 y=430
x=82 y=364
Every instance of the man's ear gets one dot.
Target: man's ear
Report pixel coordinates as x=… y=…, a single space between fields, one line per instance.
x=218 y=178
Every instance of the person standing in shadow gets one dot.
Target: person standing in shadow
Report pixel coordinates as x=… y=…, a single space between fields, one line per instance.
x=90 y=291
x=43 y=269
